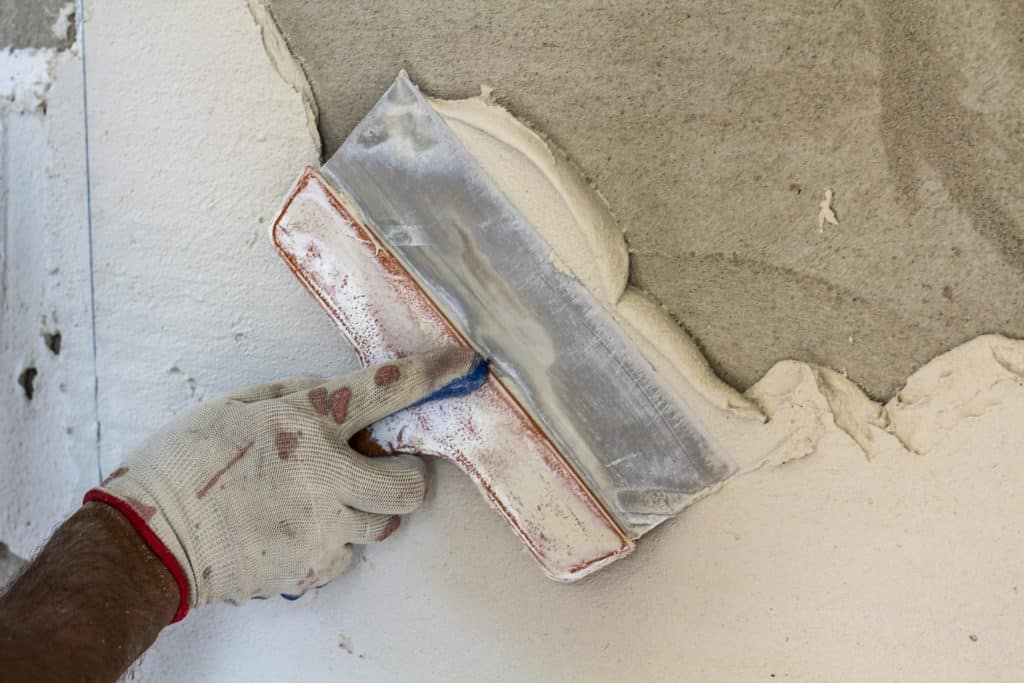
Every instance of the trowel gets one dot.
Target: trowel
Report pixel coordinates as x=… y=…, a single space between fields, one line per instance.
x=409 y=245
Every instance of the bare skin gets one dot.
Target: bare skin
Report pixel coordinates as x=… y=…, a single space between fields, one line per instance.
x=90 y=603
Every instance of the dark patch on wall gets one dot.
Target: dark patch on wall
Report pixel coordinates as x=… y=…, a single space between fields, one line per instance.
x=26 y=381
x=52 y=341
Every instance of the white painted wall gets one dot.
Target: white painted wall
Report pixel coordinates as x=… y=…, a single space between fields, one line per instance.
x=193 y=143
x=49 y=448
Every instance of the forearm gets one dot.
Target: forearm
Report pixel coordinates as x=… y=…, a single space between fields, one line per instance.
x=89 y=604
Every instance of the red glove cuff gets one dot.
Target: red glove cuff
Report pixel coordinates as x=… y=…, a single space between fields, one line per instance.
x=151 y=540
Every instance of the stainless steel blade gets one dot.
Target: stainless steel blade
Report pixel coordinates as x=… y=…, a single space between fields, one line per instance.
x=563 y=356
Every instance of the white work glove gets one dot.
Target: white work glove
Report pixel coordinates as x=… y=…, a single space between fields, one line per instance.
x=258 y=492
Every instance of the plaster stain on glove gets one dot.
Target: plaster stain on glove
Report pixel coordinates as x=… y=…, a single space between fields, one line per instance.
x=386 y=375
x=392 y=526
x=318 y=399
x=308 y=582
x=220 y=473
x=286 y=442
x=339 y=404
x=120 y=471
x=144 y=511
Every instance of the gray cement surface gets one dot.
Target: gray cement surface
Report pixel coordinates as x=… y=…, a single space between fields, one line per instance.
x=713 y=129
x=29 y=23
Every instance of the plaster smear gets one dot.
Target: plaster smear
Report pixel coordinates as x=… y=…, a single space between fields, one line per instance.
x=587 y=241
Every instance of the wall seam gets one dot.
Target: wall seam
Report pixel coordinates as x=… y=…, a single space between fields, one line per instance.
x=80 y=11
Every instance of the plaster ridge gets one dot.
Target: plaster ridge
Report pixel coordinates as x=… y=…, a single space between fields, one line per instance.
x=852 y=411
x=286 y=65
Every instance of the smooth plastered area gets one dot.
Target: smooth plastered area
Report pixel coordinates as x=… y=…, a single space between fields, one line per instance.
x=862 y=541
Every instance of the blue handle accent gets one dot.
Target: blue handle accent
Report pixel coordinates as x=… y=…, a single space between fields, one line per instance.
x=468 y=383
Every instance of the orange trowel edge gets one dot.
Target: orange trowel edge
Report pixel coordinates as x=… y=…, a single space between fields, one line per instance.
x=386 y=315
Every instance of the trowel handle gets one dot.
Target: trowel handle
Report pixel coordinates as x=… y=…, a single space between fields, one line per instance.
x=488 y=436
x=386 y=315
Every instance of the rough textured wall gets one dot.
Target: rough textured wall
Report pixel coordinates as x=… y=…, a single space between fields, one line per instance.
x=713 y=129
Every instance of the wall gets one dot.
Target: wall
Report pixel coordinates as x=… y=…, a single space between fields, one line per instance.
x=829 y=564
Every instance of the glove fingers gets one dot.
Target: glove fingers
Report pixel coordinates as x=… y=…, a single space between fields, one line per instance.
x=365 y=527
x=387 y=486
x=327 y=569
x=267 y=390
x=362 y=398
x=351 y=526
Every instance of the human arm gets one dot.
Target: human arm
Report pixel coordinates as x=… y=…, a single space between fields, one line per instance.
x=253 y=494
x=89 y=604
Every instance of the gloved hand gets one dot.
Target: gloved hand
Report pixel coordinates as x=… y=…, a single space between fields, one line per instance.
x=258 y=492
